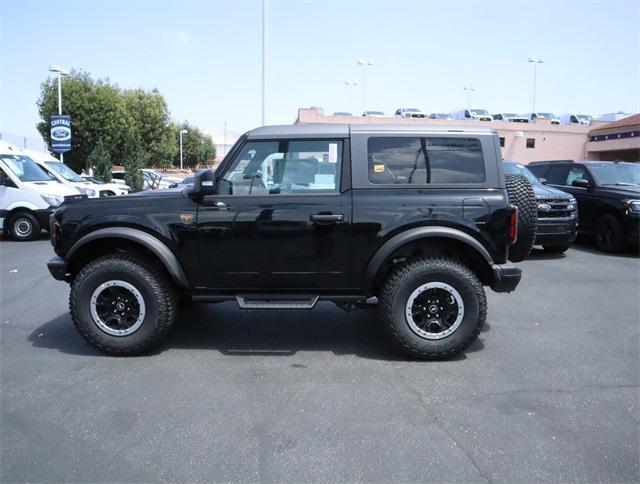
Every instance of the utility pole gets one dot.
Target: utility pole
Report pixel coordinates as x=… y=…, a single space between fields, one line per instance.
x=265 y=59
x=535 y=63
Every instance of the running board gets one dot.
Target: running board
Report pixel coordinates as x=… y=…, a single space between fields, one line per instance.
x=266 y=301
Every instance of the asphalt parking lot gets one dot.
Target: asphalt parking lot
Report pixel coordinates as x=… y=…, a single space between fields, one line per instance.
x=548 y=393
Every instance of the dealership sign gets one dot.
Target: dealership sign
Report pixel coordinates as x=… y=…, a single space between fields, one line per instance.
x=60 y=133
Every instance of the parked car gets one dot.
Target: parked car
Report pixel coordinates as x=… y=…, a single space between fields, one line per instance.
x=608 y=195
x=374 y=223
x=108 y=189
x=583 y=119
x=557 y=224
x=152 y=180
x=187 y=182
x=440 y=116
x=374 y=114
x=532 y=117
x=28 y=196
x=610 y=117
x=342 y=113
x=510 y=118
x=475 y=114
x=409 y=113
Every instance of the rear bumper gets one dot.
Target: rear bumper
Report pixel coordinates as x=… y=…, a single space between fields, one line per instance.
x=58 y=268
x=505 y=277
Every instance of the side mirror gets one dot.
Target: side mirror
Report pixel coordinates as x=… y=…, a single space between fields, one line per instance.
x=543 y=181
x=581 y=183
x=204 y=183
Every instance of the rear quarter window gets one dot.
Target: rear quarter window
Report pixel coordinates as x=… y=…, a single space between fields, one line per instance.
x=425 y=160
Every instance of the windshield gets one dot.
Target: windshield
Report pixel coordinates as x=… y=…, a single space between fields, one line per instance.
x=545 y=115
x=412 y=110
x=97 y=181
x=510 y=115
x=479 y=112
x=64 y=171
x=375 y=113
x=584 y=117
x=188 y=181
x=511 y=168
x=26 y=169
x=616 y=173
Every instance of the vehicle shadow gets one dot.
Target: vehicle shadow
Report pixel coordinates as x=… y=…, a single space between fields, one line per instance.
x=540 y=254
x=585 y=245
x=233 y=332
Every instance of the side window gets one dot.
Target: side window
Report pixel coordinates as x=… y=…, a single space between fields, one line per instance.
x=285 y=167
x=538 y=170
x=576 y=173
x=420 y=161
x=557 y=175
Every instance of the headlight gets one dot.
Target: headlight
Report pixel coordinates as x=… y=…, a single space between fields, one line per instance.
x=572 y=205
x=632 y=205
x=52 y=200
x=87 y=191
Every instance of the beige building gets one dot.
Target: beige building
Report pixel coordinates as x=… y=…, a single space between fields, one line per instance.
x=522 y=142
x=619 y=140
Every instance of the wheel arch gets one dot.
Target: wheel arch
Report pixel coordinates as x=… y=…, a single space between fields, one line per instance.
x=430 y=241
x=112 y=239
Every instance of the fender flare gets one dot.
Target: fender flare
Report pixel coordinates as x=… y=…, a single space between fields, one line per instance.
x=417 y=233
x=145 y=239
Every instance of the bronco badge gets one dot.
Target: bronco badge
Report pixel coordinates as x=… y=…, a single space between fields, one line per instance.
x=186 y=217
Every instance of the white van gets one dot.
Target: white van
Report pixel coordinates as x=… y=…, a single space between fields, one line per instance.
x=583 y=119
x=28 y=195
x=532 y=117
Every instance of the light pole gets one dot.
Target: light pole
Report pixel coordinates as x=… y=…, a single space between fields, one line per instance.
x=182 y=131
x=469 y=90
x=350 y=85
x=364 y=63
x=61 y=72
x=535 y=63
x=265 y=46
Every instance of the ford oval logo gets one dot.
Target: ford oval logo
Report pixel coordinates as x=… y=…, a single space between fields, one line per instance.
x=61 y=133
x=544 y=207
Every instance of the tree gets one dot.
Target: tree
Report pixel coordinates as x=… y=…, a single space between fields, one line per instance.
x=97 y=112
x=197 y=147
x=100 y=160
x=134 y=159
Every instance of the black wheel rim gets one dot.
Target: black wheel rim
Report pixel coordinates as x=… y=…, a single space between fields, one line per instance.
x=117 y=308
x=434 y=310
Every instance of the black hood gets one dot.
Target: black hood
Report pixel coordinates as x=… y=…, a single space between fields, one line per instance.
x=545 y=191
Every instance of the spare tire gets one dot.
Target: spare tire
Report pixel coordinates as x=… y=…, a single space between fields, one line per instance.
x=521 y=195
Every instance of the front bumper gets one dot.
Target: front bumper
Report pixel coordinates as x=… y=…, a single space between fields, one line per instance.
x=43 y=217
x=556 y=231
x=632 y=228
x=58 y=268
x=505 y=277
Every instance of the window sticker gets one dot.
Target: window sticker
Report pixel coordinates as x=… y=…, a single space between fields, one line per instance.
x=333 y=152
x=378 y=168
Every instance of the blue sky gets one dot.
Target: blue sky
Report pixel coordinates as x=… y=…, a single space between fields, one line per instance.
x=205 y=56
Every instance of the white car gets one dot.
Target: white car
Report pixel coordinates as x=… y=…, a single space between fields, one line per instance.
x=510 y=118
x=28 y=195
x=475 y=114
x=409 y=113
x=373 y=114
x=532 y=117
x=582 y=119
x=108 y=189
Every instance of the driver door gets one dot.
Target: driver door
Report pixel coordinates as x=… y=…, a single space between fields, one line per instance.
x=279 y=219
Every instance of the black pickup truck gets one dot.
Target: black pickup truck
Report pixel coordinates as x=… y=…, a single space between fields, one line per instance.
x=415 y=219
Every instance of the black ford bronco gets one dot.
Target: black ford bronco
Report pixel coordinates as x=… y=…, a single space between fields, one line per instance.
x=412 y=219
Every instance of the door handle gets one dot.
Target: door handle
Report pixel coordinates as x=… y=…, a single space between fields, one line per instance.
x=221 y=205
x=326 y=218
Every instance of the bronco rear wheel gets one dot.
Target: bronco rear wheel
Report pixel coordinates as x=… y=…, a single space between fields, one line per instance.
x=433 y=307
x=123 y=304
x=521 y=195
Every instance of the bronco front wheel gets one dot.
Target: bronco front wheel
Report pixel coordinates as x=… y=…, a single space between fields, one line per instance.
x=433 y=307
x=123 y=304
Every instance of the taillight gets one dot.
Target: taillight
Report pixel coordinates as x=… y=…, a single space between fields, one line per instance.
x=54 y=232
x=513 y=224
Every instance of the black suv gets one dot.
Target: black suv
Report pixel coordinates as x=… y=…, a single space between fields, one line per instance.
x=417 y=219
x=608 y=194
x=557 y=212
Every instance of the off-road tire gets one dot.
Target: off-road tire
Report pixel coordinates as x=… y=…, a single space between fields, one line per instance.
x=24 y=218
x=609 y=235
x=416 y=272
x=149 y=278
x=556 y=249
x=521 y=195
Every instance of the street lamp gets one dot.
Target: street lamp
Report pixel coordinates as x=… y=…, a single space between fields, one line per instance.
x=182 y=131
x=350 y=85
x=469 y=90
x=364 y=63
x=535 y=63
x=61 y=72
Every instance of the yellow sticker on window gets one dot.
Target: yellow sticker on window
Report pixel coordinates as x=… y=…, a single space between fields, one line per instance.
x=378 y=168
